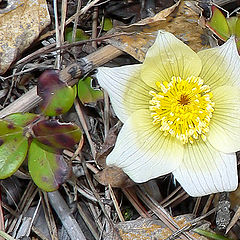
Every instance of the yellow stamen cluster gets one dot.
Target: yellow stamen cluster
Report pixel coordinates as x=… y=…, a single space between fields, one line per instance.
x=183 y=108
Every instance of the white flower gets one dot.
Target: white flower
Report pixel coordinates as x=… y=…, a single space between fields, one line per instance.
x=181 y=114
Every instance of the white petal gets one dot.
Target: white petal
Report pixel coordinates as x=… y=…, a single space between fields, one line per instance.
x=205 y=170
x=127 y=91
x=142 y=151
x=224 y=129
x=220 y=65
x=169 y=57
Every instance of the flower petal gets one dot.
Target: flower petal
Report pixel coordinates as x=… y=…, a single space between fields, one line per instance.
x=205 y=170
x=127 y=91
x=169 y=57
x=142 y=151
x=221 y=65
x=224 y=129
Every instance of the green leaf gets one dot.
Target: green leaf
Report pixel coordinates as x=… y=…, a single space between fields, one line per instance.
x=47 y=168
x=57 y=135
x=210 y=234
x=232 y=24
x=218 y=24
x=107 y=24
x=86 y=93
x=22 y=119
x=237 y=28
x=13 y=148
x=57 y=97
x=237 y=33
x=80 y=35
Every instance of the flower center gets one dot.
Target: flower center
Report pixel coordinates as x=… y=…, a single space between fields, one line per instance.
x=183 y=108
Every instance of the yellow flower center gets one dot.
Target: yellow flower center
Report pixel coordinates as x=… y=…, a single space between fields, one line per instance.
x=183 y=108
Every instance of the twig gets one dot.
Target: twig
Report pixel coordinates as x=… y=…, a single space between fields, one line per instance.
x=24 y=203
x=106 y=114
x=90 y=183
x=83 y=11
x=89 y=224
x=75 y=25
x=85 y=128
x=69 y=222
x=170 y=195
x=196 y=206
x=162 y=214
x=94 y=26
x=115 y=203
x=58 y=43
x=2 y=228
x=234 y=220
x=49 y=216
x=6 y=236
x=131 y=196
x=208 y=203
x=181 y=194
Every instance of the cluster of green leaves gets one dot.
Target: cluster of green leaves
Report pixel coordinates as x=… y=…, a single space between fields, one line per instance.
x=224 y=27
x=39 y=140
x=32 y=137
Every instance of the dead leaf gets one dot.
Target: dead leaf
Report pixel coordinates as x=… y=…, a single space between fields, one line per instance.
x=108 y=145
x=152 y=229
x=114 y=176
x=21 y=22
x=179 y=19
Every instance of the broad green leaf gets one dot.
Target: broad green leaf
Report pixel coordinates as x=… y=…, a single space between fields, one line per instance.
x=47 y=168
x=107 y=24
x=57 y=135
x=22 y=119
x=13 y=148
x=80 y=35
x=57 y=97
x=218 y=24
x=86 y=93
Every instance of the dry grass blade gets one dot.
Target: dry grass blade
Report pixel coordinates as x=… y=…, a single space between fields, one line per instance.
x=116 y=204
x=85 y=128
x=131 y=196
x=234 y=220
x=83 y=11
x=90 y=225
x=24 y=203
x=162 y=214
x=48 y=215
x=58 y=44
x=1 y=219
x=208 y=203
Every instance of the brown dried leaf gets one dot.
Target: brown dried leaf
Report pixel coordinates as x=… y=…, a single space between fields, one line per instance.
x=115 y=177
x=108 y=145
x=151 y=229
x=179 y=19
x=21 y=22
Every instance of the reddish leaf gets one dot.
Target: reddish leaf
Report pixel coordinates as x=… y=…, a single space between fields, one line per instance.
x=57 y=96
x=47 y=169
x=57 y=135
